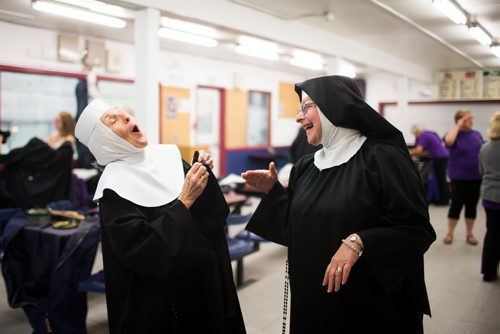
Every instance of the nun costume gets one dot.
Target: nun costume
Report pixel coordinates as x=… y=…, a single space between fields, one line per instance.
x=361 y=184
x=167 y=267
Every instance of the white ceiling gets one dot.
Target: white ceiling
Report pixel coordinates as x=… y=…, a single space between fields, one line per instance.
x=385 y=30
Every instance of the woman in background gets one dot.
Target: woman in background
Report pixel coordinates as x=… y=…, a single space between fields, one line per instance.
x=65 y=130
x=464 y=144
x=489 y=163
x=429 y=148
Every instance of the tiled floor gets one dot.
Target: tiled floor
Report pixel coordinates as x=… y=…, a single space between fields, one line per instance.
x=461 y=302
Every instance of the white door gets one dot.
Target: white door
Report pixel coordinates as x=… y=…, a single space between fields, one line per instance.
x=208 y=114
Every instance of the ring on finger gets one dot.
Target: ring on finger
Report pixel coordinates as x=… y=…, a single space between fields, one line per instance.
x=339 y=269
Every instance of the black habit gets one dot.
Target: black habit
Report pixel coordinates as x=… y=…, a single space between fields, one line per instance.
x=377 y=194
x=167 y=268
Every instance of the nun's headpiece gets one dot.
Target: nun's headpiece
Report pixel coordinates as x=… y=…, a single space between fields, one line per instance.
x=88 y=120
x=103 y=143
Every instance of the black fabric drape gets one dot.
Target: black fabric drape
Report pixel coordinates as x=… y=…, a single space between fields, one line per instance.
x=36 y=174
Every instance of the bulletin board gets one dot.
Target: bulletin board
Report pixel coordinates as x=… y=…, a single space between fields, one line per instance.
x=289 y=101
x=174 y=115
x=473 y=84
x=235 y=118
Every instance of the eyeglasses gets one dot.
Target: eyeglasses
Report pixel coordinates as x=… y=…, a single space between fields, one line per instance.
x=304 y=108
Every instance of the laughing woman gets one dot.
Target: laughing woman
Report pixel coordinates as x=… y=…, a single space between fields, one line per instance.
x=166 y=262
x=354 y=218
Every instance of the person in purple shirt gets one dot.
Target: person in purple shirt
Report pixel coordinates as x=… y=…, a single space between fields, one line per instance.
x=464 y=144
x=430 y=148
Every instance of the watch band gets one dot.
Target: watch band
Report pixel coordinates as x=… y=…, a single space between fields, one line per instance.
x=355 y=239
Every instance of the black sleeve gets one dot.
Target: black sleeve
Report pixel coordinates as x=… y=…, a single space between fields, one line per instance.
x=270 y=218
x=405 y=233
x=171 y=242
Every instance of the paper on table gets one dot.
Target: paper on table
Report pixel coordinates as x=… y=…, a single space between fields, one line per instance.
x=231 y=179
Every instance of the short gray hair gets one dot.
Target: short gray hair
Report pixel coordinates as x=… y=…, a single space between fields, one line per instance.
x=417 y=128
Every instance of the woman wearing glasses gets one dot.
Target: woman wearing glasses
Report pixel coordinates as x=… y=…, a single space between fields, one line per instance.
x=354 y=218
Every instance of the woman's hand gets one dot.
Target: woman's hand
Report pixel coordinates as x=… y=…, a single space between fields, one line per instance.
x=205 y=158
x=339 y=268
x=262 y=180
x=194 y=184
x=461 y=121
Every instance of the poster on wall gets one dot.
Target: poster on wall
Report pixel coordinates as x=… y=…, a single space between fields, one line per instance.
x=446 y=85
x=175 y=115
x=171 y=107
x=470 y=85
x=96 y=53
x=67 y=49
x=114 y=61
x=491 y=84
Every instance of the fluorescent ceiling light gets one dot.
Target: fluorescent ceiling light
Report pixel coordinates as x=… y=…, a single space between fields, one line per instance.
x=301 y=62
x=258 y=48
x=256 y=52
x=193 y=28
x=495 y=49
x=347 y=70
x=307 y=60
x=452 y=10
x=480 y=35
x=100 y=7
x=252 y=41
x=187 y=37
x=78 y=14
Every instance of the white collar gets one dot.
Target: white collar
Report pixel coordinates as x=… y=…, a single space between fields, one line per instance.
x=153 y=180
x=339 y=144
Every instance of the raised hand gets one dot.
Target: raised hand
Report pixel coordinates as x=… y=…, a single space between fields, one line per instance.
x=194 y=184
x=205 y=158
x=261 y=179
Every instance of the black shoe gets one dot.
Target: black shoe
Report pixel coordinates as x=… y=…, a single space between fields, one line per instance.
x=490 y=278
